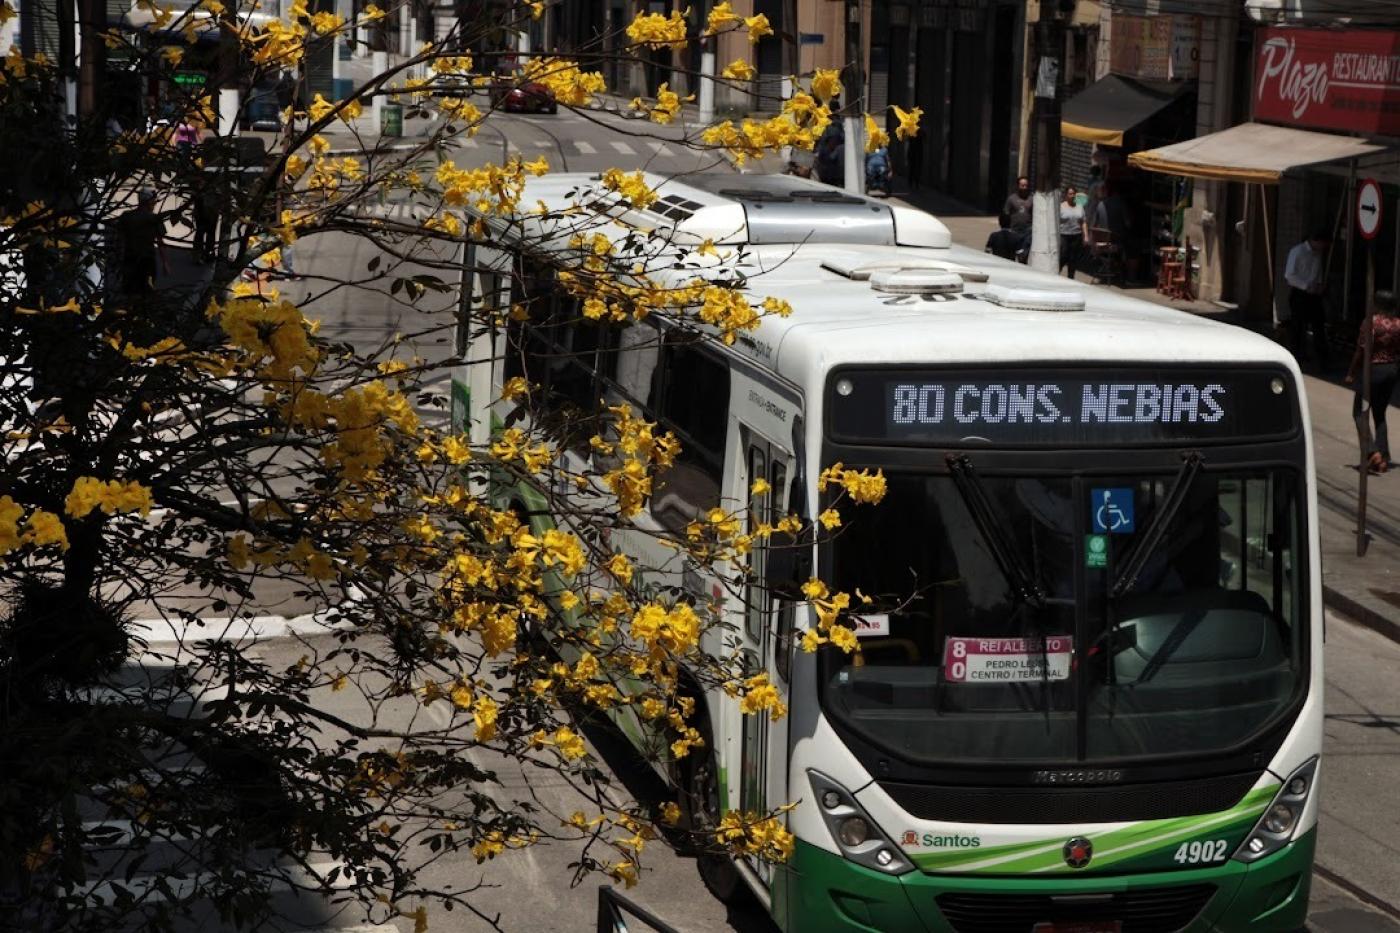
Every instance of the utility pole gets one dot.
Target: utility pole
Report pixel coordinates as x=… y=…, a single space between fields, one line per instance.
x=853 y=127
x=92 y=54
x=1045 y=215
x=66 y=14
x=707 y=80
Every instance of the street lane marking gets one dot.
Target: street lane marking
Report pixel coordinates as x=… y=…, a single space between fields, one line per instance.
x=584 y=148
x=660 y=149
x=469 y=143
x=622 y=147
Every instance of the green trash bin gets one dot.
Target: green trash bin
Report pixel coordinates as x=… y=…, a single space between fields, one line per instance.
x=391 y=119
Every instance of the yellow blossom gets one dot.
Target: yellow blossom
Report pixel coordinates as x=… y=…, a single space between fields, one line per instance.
x=759 y=695
x=569 y=743
x=325 y=23
x=908 y=122
x=44 y=528
x=875 y=137
x=826 y=84
x=739 y=70
x=484 y=716
x=656 y=31
x=758 y=27
x=668 y=104
x=721 y=16
x=843 y=638
x=632 y=187
x=111 y=496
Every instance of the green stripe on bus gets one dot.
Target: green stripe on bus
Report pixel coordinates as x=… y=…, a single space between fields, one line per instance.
x=1111 y=848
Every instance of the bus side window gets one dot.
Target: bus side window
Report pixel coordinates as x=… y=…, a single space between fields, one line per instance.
x=638 y=354
x=690 y=397
x=468 y=297
x=530 y=353
x=782 y=642
x=478 y=310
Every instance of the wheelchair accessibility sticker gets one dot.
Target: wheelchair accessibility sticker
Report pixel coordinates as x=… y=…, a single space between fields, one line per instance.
x=1112 y=510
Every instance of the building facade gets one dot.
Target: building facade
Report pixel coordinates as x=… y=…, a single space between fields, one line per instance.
x=961 y=62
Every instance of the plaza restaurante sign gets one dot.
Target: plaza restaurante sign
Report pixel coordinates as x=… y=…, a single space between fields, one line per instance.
x=1341 y=79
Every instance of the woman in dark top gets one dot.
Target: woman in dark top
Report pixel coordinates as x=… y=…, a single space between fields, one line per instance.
x=1384 y=327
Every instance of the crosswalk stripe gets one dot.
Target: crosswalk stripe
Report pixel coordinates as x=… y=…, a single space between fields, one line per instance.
x=120 y=832
x=622 y=147
x=164 y=631
x=584 y=148
x=660 y=149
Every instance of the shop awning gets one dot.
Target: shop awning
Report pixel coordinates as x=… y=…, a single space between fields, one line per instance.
x=1114 y=105
x=1256 y=153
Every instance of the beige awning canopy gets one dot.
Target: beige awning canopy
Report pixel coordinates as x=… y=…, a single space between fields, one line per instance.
x=1256 y=153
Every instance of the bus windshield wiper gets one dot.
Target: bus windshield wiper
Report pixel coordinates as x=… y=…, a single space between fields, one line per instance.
x=1191 y=462
x=974 y=495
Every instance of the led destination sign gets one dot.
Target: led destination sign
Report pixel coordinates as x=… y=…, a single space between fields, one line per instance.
x=1055 y=408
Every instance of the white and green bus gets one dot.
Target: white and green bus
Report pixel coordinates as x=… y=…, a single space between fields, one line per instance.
x=1088 y=695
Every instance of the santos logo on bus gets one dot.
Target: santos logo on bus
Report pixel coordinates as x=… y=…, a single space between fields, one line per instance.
x=1047 y=403
x=935 y=841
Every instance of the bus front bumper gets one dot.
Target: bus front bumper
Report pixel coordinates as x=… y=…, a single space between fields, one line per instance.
x=820 y=892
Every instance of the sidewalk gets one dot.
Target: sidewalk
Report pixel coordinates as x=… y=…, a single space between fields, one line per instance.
x=1365 y=589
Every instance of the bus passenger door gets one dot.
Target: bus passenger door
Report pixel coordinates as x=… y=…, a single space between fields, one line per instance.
x=763 y=770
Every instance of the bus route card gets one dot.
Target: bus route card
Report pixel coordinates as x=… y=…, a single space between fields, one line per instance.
x=1006 y=660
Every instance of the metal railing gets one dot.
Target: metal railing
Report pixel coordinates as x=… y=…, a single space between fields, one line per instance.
x=613 y=910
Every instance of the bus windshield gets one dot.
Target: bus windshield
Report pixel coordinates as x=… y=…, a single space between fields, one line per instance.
x=1195 y=648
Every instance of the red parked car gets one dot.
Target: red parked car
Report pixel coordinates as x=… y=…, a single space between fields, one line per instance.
x=530 y=97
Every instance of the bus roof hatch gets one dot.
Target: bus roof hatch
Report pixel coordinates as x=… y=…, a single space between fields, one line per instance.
x=785 y=209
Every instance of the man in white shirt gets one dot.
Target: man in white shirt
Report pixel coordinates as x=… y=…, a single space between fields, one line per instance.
x=1304 y=275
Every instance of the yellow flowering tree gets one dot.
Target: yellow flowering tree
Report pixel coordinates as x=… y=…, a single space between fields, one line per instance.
x=197 y=454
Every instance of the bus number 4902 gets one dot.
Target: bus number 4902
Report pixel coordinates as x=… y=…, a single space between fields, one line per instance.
x=1194 y=853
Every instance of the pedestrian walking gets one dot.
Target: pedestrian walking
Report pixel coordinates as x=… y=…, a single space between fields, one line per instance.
x=1074 y=232
x=1304 y=274
x=1384 y=329
x=141 y=232
x=1093 y=192
x=879 y=173
x=1017 y=208
x=186 y=138
x=1003 y=242
x=205 y=214
x=830 y=156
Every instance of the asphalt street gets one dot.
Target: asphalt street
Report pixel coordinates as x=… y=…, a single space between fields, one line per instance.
x=531 y=890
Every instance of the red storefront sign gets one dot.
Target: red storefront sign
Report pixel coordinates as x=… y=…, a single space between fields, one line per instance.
x=1345 y=79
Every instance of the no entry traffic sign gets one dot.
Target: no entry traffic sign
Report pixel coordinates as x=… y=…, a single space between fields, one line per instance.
x=1368 y=208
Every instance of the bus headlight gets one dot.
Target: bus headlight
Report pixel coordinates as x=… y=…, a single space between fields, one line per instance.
x=855 y=832
x=1280 y=819
x=1276 y=827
